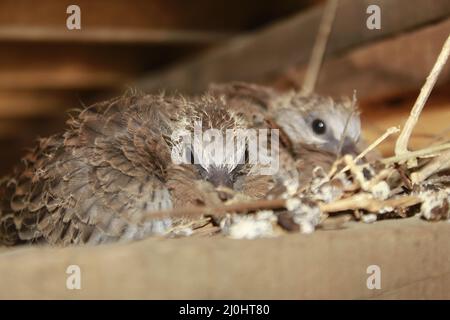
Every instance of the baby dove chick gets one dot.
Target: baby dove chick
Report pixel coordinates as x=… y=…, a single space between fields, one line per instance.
x=115 y=163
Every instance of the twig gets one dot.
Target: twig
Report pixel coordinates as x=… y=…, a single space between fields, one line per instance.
x=401 y=146
x=217 y=211
x=318 y=52
x=437 y=180
x=438 y=164
x=373 y=145
x=358 y=201
x=426 y=152
x=367 y=202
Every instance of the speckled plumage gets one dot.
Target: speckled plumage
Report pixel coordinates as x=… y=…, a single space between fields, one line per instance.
x=112 y=165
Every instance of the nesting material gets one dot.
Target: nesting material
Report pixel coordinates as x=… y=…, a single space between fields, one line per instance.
x=254 y=226
x=367 y=192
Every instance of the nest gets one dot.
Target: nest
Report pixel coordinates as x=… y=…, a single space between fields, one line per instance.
x=416 y=184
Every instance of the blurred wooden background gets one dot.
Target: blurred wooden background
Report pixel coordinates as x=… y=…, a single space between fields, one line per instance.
x=184 y=45
x=46 y=69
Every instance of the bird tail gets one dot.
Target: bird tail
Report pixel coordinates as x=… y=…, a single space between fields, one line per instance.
x=8 y=231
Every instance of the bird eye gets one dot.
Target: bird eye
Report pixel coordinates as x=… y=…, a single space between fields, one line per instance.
x=319 y=126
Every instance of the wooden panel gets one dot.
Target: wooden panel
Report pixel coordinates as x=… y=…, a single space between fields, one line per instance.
x=413 y=256
x=385 y=68
x=155 y=14
x=271 y=52
x=46 y=65
x=17 y=104
x=107 y=35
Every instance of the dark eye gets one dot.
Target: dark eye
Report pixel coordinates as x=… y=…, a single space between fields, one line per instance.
x=319 y=126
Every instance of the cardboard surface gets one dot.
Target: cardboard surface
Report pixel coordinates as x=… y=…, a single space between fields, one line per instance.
x=414 y=257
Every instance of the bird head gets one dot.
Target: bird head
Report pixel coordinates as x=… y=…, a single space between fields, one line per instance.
x=208 y=131
x=315 y=121
x=328 y=125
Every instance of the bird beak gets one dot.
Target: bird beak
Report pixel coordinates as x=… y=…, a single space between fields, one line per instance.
x=220 y=177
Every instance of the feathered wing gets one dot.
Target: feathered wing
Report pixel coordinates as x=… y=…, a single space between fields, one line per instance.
x=91 y=184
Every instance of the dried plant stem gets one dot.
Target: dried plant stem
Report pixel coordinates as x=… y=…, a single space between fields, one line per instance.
x=217 y=211
x=373 y=145
x=426 y=152
x=318 y=52
x=367 y=202
x=359 y=201
x=401 y=146
x=442 y=162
